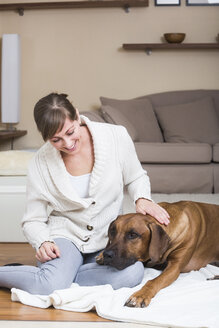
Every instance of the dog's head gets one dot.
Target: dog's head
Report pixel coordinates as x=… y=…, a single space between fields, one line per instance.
x=134 y=237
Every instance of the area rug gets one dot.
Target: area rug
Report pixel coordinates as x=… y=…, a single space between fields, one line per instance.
x=191 y=301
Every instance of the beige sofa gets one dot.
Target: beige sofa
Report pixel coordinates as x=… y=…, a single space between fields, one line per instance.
x=176 y=135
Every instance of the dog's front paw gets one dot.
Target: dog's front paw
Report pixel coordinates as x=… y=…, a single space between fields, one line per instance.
x=138 y=300
x=100 y=259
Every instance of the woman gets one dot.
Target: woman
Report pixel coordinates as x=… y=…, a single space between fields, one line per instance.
x=74 y=190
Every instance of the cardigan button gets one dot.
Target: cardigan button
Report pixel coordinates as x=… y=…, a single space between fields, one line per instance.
x=90 y=228
x=86 y=240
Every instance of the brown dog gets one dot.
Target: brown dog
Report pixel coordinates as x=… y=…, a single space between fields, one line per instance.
x=189 y=242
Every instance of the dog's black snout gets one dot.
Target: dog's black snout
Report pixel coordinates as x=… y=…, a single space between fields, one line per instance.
x=108 y=256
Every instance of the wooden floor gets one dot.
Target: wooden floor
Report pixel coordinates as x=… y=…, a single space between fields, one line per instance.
x=24 y=253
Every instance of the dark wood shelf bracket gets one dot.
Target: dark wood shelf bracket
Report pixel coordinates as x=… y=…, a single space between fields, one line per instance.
x=21 y=12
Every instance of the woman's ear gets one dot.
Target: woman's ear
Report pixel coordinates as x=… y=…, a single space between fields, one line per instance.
x=78 y=116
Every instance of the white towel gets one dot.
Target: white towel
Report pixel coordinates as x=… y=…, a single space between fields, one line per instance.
x=191 y=301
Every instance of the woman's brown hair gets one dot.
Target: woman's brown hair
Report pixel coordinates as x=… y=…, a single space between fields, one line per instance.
x=50 y=113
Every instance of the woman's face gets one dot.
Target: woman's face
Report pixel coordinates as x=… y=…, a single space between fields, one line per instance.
x=68 y=140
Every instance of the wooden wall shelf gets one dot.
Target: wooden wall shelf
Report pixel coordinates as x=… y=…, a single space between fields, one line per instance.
x=20 y=7
x=9 y=134
x=148 y=47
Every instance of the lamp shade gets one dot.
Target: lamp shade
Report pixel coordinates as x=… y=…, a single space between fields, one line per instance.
x=10 y=79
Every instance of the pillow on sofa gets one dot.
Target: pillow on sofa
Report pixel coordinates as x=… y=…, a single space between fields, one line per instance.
x=139 y=113
x=191 y=122
x=112 y=115
x=93 y=116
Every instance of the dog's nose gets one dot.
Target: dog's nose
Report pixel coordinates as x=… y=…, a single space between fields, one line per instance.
x=108 y=256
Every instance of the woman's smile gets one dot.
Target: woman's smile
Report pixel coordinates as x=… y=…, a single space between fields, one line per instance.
x=68 y=139
x=72 y=148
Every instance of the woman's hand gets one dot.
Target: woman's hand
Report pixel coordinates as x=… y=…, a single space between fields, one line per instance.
x=145 y=206
x=47 y=252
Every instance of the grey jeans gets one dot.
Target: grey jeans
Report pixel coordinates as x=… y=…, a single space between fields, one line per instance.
x=71 y=266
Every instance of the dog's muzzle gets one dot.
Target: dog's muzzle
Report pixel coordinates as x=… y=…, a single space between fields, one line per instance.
x=110 y=257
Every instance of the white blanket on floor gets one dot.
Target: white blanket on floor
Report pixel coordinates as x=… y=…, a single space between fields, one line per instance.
x=191 y=301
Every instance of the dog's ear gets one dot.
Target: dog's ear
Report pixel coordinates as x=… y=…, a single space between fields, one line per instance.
x=159 y=242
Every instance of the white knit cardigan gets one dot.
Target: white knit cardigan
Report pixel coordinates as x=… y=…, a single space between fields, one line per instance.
x=55 y=210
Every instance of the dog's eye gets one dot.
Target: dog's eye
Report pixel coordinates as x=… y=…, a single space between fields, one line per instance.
x=132 y=235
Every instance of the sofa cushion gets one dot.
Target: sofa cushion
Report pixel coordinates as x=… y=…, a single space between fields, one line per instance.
x=140 y=114
x=177 y=178
x=114 y=116
x=216 y=153
x=174 y=153
x=216 y=178
x=191 y=122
